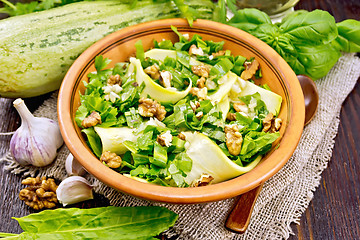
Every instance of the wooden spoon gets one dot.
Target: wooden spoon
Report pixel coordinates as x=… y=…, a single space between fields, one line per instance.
x=311 y=97
x=239 y=217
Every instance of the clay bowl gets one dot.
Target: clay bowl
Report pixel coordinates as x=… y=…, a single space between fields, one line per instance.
x=120 y=45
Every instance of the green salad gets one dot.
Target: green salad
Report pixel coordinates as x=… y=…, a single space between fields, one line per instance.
x=182 y=114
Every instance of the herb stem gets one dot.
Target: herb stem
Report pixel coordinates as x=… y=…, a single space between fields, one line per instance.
x=9 y=4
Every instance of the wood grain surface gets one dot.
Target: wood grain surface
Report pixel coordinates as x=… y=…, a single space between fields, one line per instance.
x=334 y=212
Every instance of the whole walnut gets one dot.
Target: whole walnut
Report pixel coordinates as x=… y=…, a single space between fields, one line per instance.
x=40 y=193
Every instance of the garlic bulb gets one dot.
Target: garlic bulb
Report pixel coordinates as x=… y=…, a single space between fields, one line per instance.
x=73 y=167
x=74 y=189
x=36 y=141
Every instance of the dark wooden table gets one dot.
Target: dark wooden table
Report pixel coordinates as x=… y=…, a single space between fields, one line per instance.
x=334 y=213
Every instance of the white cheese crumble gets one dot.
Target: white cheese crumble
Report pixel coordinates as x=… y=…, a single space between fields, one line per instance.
x=196 y=51
x=155 y=122
x=186 y=36
x=166 y=78
x=167 y=137
x=112 y=92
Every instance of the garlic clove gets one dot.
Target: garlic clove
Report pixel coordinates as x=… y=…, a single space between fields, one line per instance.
x=36 y=141
x=73 y=167
x=74 y=189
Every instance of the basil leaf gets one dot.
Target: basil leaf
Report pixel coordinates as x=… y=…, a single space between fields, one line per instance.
x=295 y=64
x=317 y=60
x=284 y=46
x=313 y=61
x=97 y=223
x=316 y=27
x=268 y=33
x=349 y=36
x=248 y=19
x=292 y=15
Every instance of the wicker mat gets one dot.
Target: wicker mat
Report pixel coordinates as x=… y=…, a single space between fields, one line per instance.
x=284 y=197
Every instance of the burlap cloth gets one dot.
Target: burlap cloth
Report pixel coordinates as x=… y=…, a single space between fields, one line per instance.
x=284 y=197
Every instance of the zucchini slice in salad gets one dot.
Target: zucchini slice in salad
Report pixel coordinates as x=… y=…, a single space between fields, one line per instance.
x=161 y=54
x=208 y=158
x=224 y=106
x=271 y=99
x=225 y=84
x=112 y=138
x=154 y=90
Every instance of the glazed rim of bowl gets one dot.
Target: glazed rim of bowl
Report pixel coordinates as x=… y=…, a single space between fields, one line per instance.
x=262 y=172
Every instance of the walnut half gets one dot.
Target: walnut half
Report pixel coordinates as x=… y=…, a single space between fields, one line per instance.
x=114 y=79
x=271 y=123
x=153 y=71
x=111 y=159
x=233 y=139
x=250 y=69
x=231 y=116
x=151 y=108
x=201 y=70
x=205 y=179
x=92 y=120
x=40 y=193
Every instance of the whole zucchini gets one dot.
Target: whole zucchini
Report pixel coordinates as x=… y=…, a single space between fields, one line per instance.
x=37 y=49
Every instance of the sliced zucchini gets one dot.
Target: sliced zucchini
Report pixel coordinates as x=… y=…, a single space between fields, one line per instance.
x=154 y=90
x=208 y=158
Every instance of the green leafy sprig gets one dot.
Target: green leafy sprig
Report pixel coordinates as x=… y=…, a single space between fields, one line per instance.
x=95 y=223
x=310 y=42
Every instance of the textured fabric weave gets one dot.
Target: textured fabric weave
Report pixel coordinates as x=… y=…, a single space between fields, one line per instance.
x=284 y=197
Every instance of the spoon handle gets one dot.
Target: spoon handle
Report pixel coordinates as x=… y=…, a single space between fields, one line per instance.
x=239 y=218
